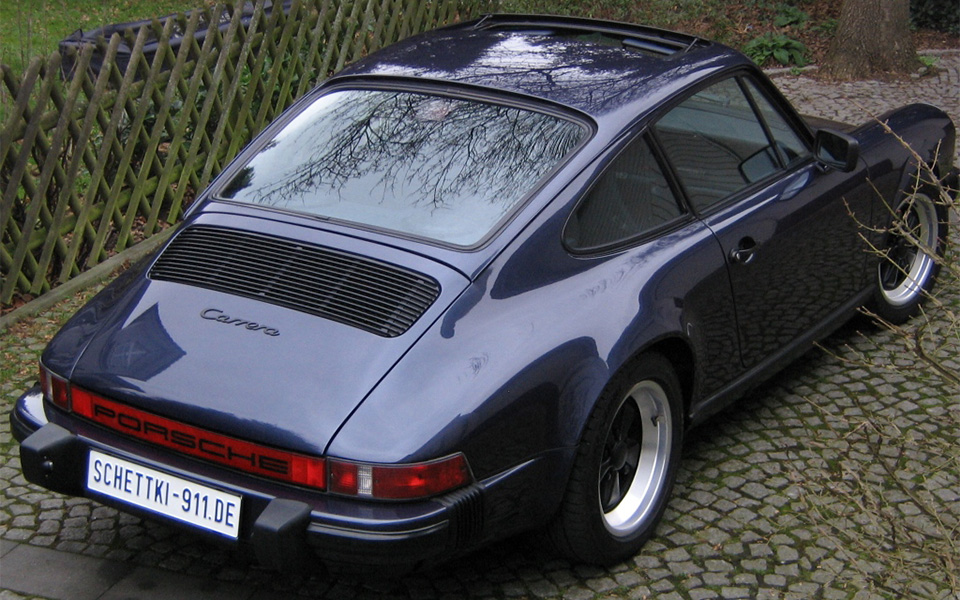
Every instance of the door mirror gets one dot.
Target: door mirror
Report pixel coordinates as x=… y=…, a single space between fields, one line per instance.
x=837 y=150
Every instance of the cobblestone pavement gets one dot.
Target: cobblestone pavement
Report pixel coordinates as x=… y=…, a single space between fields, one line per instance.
x=834 y=480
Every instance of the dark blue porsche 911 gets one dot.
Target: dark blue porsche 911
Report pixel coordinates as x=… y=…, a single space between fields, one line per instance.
x=482 y=281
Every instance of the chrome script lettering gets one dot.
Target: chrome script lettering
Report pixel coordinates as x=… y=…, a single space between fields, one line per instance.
x=215 y=314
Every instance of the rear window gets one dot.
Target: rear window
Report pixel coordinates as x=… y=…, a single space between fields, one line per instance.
x=445 y=169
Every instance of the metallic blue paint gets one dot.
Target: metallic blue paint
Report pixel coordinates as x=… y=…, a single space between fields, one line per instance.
x=507 y=364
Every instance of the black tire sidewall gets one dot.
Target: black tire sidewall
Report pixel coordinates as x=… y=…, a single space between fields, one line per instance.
x=579 y=530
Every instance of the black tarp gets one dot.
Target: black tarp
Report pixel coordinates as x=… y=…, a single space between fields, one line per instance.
x=71 y=46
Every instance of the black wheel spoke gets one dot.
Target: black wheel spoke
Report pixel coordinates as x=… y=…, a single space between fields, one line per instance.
x=633 y=455
x=609 y=491
x=628 y=415
x=889 y=276
x=605 y=467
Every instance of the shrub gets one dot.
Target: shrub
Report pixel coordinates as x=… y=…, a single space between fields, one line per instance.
x=939 y=15
x=785 y=50
x=790 y=16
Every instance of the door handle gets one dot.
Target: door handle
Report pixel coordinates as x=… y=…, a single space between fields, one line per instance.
x=745 y=251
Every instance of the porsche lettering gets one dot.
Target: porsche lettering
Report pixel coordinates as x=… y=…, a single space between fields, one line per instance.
x=156 y=431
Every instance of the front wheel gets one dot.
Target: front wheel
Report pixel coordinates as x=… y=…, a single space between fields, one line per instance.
x=909 y=267
x=625 y=465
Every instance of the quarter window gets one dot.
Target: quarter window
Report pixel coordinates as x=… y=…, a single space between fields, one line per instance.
x=631 y=198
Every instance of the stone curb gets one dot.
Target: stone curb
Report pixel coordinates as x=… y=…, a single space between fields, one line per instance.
x=776 y=72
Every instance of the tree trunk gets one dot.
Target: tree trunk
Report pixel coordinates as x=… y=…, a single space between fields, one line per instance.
x=873 y=38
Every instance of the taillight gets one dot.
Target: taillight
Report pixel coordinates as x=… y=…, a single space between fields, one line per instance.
x=361 y=480
x=399 y=482
x=55 y=388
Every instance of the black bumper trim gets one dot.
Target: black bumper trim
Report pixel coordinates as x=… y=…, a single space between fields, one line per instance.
x=286 y=535
x=279 y=535
x=53 y=457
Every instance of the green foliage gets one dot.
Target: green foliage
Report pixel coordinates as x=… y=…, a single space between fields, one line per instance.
x=939 y=15
x=777 y=46
x=827 y=27
x=29 y=29
x=790 y=16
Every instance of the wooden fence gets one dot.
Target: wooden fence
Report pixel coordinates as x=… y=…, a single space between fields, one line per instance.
x=96 y=163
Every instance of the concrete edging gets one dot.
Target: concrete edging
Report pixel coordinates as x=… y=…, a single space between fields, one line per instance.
x=777 y=71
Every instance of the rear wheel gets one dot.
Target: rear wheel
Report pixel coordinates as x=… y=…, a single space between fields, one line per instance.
x=909 y=268
x=625 y=465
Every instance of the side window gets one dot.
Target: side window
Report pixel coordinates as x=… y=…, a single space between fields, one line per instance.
x=630 y=198
x=789 y=144
x=716 y=143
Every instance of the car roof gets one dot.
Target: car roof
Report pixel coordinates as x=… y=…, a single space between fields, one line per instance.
x=596 y=67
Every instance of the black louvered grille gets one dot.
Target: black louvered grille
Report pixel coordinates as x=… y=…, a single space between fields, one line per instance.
x=368 y=294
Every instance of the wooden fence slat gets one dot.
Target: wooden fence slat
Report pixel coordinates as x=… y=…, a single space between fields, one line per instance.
x=318 y=36
x=83 y=162
x=21 y=259
x=187 y=155
x=297 y=70
x=360 y=39
x=167 y=123
x=147 y=163
x=211 y=83
x=377 y=34
x=18 y=164
x=66 y=197
x=333 y=37
x=233 y=84
x=268 y=46
x=96 y=116
x=348 y=37
x=124 y=107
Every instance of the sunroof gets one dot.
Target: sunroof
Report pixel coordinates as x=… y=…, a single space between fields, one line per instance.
x=647 y=40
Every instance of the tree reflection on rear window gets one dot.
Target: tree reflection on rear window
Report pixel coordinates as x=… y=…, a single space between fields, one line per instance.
x=435 y=167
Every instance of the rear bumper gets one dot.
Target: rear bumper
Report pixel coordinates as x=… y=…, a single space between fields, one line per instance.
x=286 y=528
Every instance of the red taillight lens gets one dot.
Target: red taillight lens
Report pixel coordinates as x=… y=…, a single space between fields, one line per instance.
x=399 y=482
x=56 y=389
x=386 y=482
x=345 y=478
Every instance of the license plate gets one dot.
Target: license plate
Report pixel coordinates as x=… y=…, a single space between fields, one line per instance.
x=162 y=493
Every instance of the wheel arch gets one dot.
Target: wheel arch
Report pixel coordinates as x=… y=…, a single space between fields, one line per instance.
x=681 y=357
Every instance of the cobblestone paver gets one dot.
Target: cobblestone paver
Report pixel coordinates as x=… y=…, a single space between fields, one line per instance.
x=839 y=479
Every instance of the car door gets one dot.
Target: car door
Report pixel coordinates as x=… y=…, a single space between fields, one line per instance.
x=633 y=211
x=784 y=222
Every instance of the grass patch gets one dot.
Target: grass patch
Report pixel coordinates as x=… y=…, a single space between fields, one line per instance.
x=30 y=28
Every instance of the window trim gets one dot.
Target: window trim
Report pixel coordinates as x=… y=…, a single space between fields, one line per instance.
x=744 y=80
x=388 y=83
x=778 y=103
x=603 y=165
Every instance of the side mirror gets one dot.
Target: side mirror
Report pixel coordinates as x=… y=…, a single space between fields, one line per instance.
x=837 y=150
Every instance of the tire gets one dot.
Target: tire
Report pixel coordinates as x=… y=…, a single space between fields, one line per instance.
x=908 y=271
x=625 y=465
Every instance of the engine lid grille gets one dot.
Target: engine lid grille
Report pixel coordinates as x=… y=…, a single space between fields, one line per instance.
x=368 y=294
